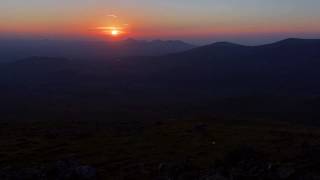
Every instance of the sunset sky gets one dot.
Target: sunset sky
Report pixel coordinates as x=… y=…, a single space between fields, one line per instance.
x=198 y=21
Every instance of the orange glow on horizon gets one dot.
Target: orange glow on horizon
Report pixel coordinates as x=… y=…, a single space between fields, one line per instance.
x=112 y=31
x=122 y=25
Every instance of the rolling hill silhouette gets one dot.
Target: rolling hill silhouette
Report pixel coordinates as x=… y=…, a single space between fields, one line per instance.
x=283 y=76
x=288 y=67
x=11 y=50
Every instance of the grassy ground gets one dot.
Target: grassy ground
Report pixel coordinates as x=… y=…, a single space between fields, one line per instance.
x=129 y=149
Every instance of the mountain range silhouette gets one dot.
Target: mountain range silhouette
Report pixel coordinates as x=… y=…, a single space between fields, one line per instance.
x=283 y=76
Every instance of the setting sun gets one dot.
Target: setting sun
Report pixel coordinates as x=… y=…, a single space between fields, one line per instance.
x=115 y=32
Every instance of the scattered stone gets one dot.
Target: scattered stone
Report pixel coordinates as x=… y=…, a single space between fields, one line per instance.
x=61 y=170
x=213 y=176
x=176 y=171
x=86 y=172
x=284 y=172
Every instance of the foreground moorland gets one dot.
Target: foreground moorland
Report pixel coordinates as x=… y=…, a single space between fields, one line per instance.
x=193 y=148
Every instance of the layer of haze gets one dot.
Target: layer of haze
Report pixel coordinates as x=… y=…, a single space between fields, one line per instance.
x=198 y=21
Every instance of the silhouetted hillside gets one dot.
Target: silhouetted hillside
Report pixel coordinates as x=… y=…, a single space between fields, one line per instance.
x=221 y=77
x=11 y=50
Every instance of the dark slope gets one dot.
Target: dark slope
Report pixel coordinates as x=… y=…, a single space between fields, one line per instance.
x=220 y=77
x=11 y=50
x=288 y=67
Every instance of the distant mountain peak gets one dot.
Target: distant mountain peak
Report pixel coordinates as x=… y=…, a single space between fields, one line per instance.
x=225 y=44
x=168 y=41
x=156 y=41
x=14 y=50
x=132 y=41
x=293 y=41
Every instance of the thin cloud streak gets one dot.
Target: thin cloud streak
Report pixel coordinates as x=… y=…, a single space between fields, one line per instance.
x=113 y=16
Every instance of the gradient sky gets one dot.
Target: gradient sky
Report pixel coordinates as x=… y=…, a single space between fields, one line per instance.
x=200 y=21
